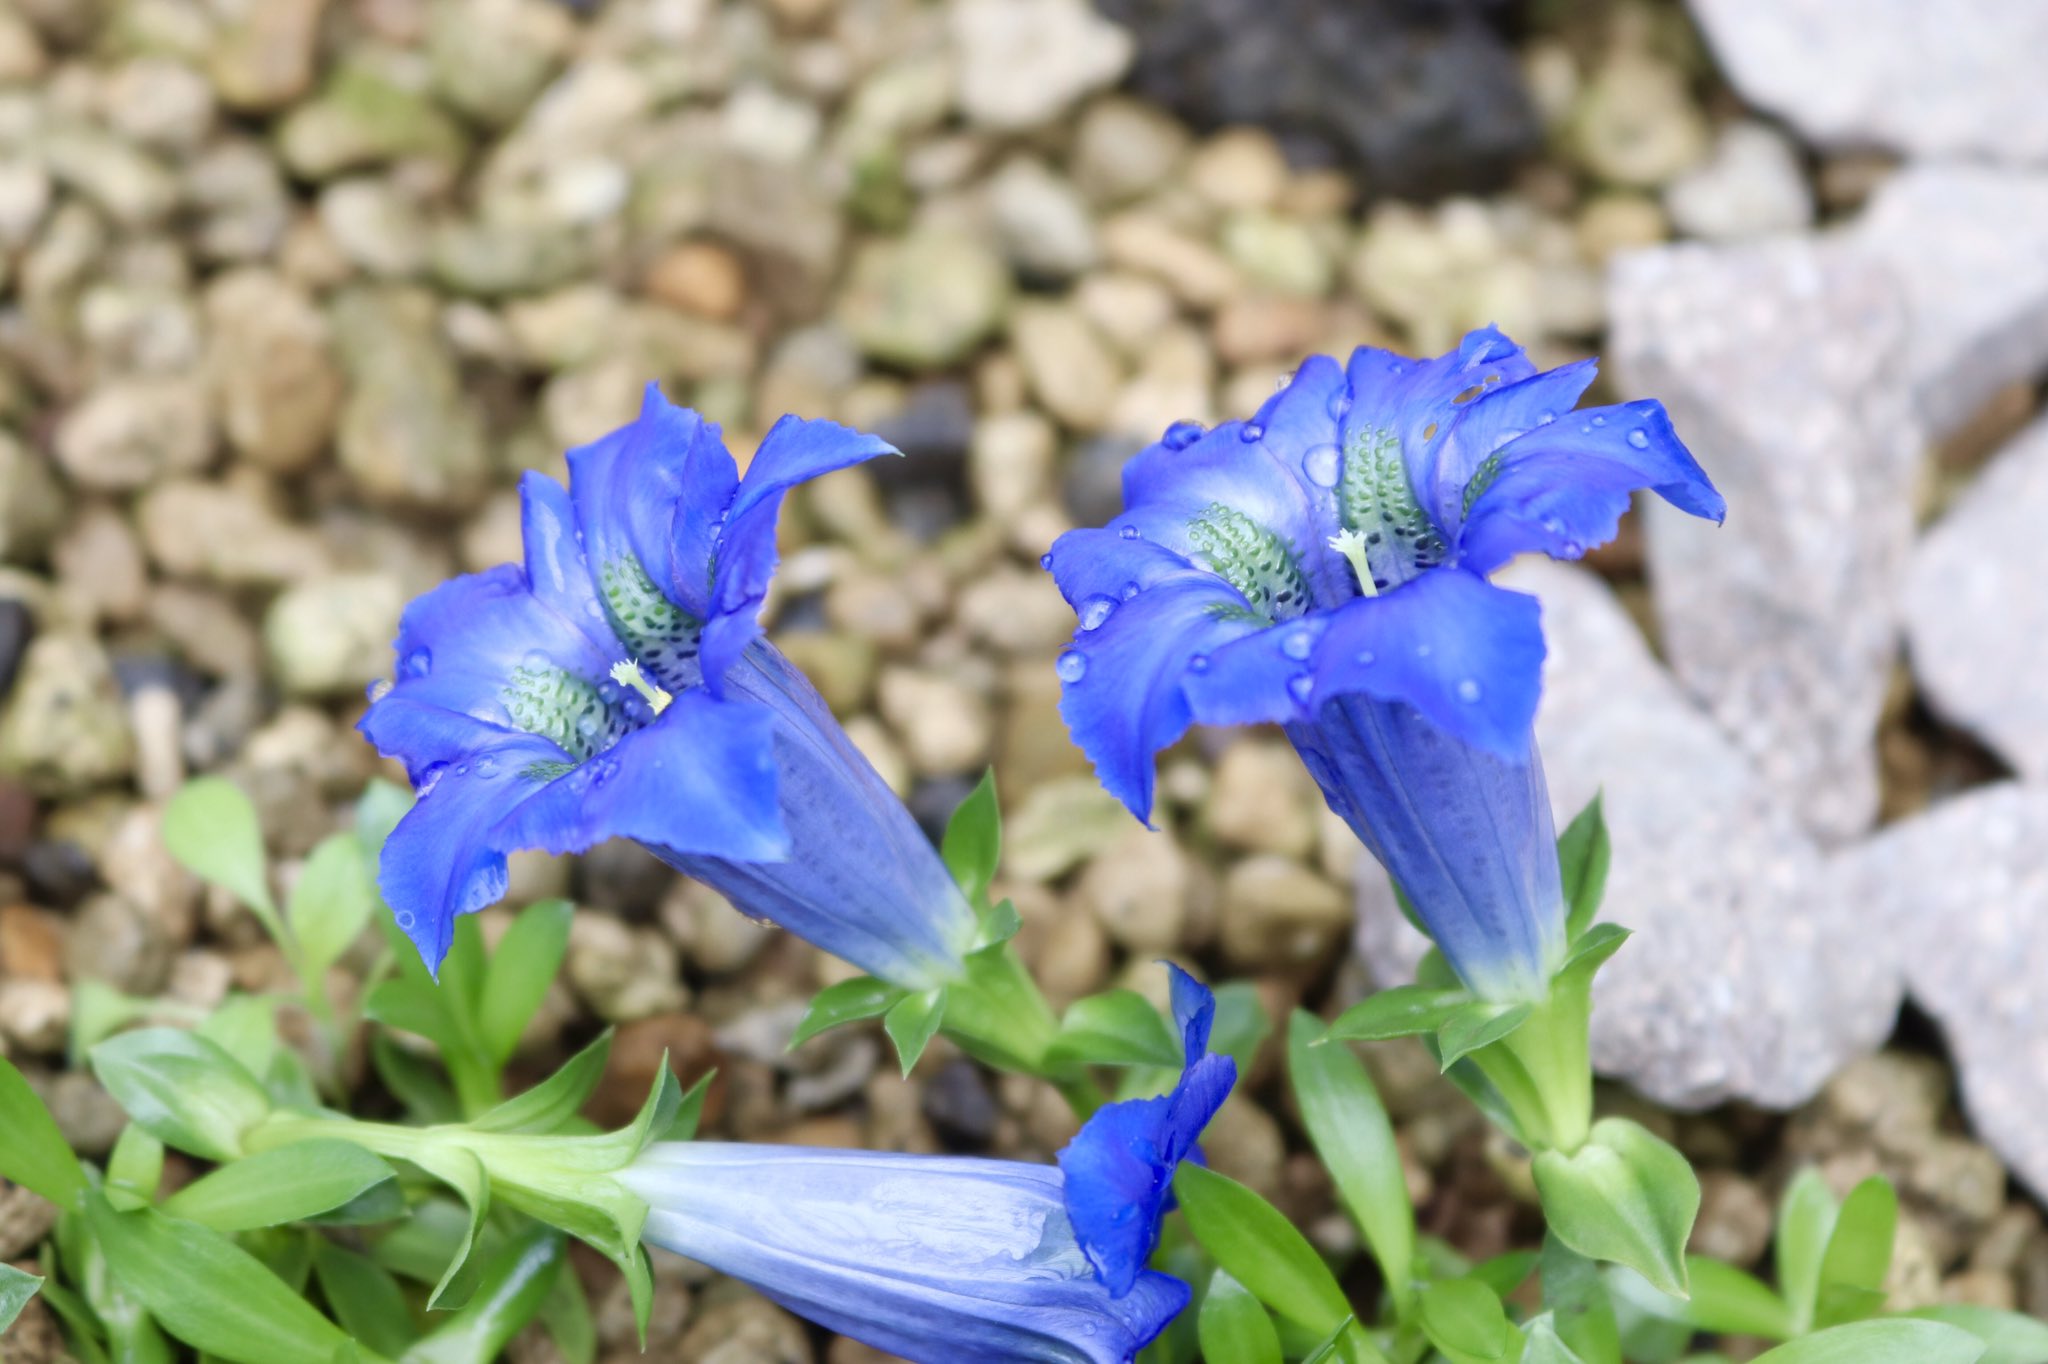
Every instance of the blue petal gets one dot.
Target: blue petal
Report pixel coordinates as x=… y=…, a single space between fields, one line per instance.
x=441 y=861
x=1168 y=489
x=1121 y=691
x=1490 y=421
x=654 y=490
x=1418 y=399
x=1465 y=653
x=794 y=451
x=557 y=572
x=458 y=644
x=1119 y=1168
x=700 y=778
x=935 y=1259
x=1562 y=488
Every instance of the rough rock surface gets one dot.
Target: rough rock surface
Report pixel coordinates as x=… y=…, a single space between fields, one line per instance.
x=1782 y=364
x=1737 y=984
x=1963 y=890
x=1931 y=80
x=1976 y=618
x=1969 y=244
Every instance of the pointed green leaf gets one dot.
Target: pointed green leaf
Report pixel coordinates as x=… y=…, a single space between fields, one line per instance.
x=294 y=1183
x=1806 y=1220
x=1859 y=1254
x=520 y=971
x=463 y=1173
x=1505 y=1272
x=245 y=1027
x=1479 y=1023
x=567 y=1316
x=413 y=1080
x=912 y=1022
x=1591 y=949
x=509 y=1293
x=186 y=1091
x=2009 y=1337
x=973 y=844
x=1727 y=1302
x=1464 y=1319
x=1581 y=1312
x=134 y=1169
x=364 y=1298
x=18 y=1286
x=1896 y=1340
x=849 y=1001
x=330 y=903
x=1262 y=1249
x=211 y=828
x=554 y=1101
x=1583 y=855
x=1350 y=1130
x=683 y=1126
x=1626 y=1197
x=998 y=926
x=1403 y=1011
x=1543 y=1345
x=1114 y=1028
x=1233 y=1325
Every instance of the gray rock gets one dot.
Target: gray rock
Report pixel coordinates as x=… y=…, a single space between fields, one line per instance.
x=925 y=300
x=272 y=368
x=1931 y=80
x=133 y=432
x=1025 y=62
x=243 y=204
x=121 y=180
x=408 y=435
x=1963 y=892
x=225 y=535
x=64 y=729
x=491 y=57
x=332 y=636
x=1751 y=975
x=1751 y=186
x=491 y=260
x=1782 y=365
x=1976 y=617
x=1041 y=220
x=375 y=226
x=1970 y=246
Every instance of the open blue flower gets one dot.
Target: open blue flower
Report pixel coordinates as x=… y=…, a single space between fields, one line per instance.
x=617 y=685
x=1323 y=566
x=934 y=1258
x=1120 y=1166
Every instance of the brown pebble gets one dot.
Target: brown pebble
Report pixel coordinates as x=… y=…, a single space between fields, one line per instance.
x=699 y=277
x=31 y=944
x=636 y=1061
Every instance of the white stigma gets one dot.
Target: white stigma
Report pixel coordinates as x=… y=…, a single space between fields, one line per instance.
x=1351 y=544
x=628 y=674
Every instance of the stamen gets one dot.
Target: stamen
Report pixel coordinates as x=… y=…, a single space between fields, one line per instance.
x=1351 y=544
x=628 y=674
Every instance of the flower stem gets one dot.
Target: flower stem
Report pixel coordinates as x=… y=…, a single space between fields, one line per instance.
x=1543 y=1069
x=999 y=1016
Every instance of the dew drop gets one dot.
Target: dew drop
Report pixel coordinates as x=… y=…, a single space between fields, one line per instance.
x=424 y=784
x=1468 y=690
x=1284 y=381
x=537 y=660
x=378 y=690
x=404 y=919
x=1181 y=435
x=1126 y=532
x=1045 y=562
x=1199 y=663
x=1366 y=656
x=1422 y=650
x=1599 y=421
x=486 y=768
x=1320 y=464
x=586 y=725
x=1095 y=610
x=462 y=769
x=1300 y=686
x=418 y=663
x=1545 y=418
x=1297 y=645
x=1072 y=666
x=1130 y=591
x=1340 y=405
x=1639 y=438
x=1251 y=431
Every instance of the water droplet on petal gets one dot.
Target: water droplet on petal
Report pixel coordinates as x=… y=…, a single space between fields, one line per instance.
x=1639 y=438
x=1045 y=562
x=1366 y=656
x=1545 y=418
x=1126 y=532
x=1181 y=435
x=1199 y=663
x=537 y=660
x=1320 y=464
x=486 y=768
x=1599 y=421
x=1285 y=380
x=424 y=784
x=1297 y=645
x=404 y=919
x=1130 y=591
x=1468 y=690
x=378 y=690
x=1251 y=431
x=1095 y=610
x=1340 y=404
x=418 y=663
x=1072 y=667
x=1423 y=650
x=1300 y=686
x=586 y=725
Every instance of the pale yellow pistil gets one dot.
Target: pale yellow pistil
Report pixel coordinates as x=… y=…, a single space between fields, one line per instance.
x=1351 y=544
x=628 y=674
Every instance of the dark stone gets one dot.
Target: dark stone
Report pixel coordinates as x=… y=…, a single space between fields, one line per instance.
x=59 y=873
x=958 y=1105
x=933 y=801
x=16 y=628
x=17 y=823
x=926 y=490
x=138 y=672
x=1423 y=96
x=623 y=877
x=1093 y=486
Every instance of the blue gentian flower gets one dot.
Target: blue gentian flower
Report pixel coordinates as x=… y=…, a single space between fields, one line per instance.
x=1324 y=565
x=934 y=1258
x=1120 y=1166
x=617 y=685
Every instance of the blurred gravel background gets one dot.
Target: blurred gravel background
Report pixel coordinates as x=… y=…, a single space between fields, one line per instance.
x=291 y=290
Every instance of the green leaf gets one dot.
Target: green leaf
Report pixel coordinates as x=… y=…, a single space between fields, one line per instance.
x=1241 y=1025
x=35 y=1154
x=462 y=1172
x=549 y=1105
x=1859 y=1254
x=1349 y=1127
x=185 y=1090
x=364 y=1298
x=973 y=844
x=1464 y=1319
x=512 y=1288
x=18 y=1286
x=1262 y=1250
x=414 y=1006
x=1403 y=1011
x=292 y=1183
x=1114 y=1028
x=1581 y=1313
x=566 y=1314
x=330 y=903
x=1001 y=923
x=413 y=1081
x=182 y=1272
x=1583 y=854
x=1626 y=1197
x=849 y=1001
x=1505 y=1272
x=245 y=1027
x=1896 y=1340
x=1806 y=1221
x=378 y=811
x=1727 y=1301
x=519 y=974
x=1543 y=1345
x=134 y=1169
x=911 y=1023
x=683 y=1126
x=1591 y=949
x=1477 y=1023
x=2009 y=1337
x=1232 y=1325
x=210 y=826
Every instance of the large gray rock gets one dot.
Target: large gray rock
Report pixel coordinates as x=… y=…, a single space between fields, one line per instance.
x=1929 y=79
x=1750 y=976
x=1782 y=364
x=1976 y=616
x=1969 y=244
x=1963 y=893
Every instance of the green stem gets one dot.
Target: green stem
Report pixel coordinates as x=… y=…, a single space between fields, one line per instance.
x=1544 y=1070
x=999 y=1016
